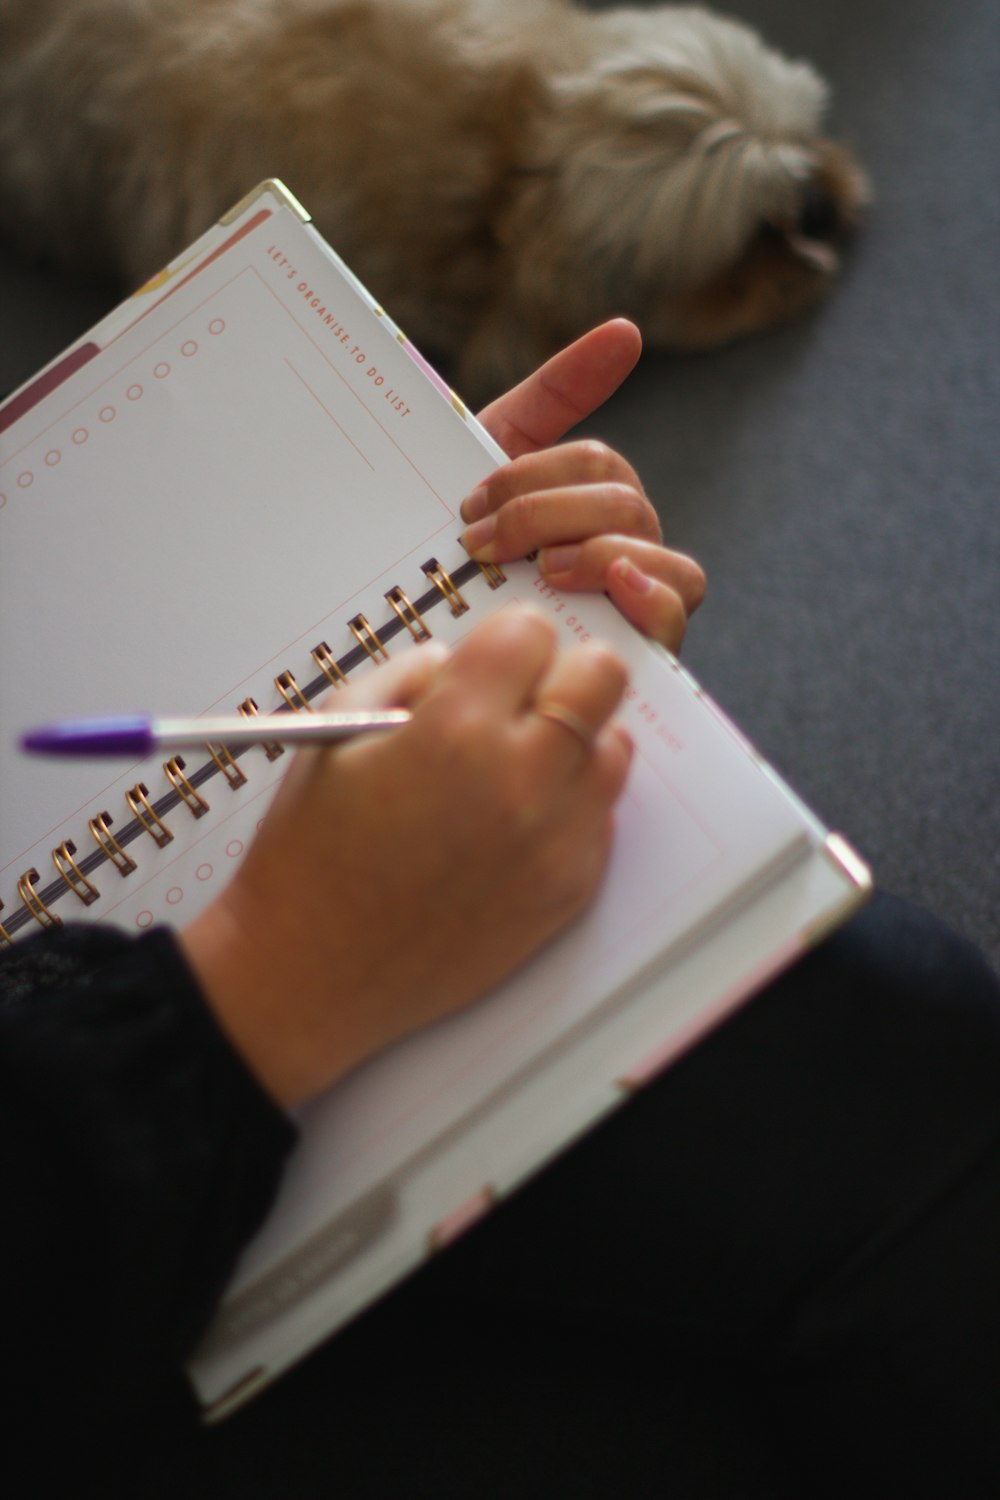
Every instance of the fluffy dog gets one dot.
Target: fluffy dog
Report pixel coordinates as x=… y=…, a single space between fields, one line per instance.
x=501 y=173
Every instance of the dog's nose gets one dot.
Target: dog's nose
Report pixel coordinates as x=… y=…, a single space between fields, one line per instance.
x=819 y=216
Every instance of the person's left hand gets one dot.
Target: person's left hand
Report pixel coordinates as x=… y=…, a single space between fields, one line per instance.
x=580 y=505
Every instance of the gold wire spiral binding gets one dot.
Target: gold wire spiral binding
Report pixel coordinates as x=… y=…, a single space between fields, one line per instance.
x=443 y=581
x=292 y=693
x=34 y=902
x=70 y=871
x=6 y=941
x=109 y=845
x=227 y=766
x=409 y=614
x=138 y=800
x=365 y=636
x=174 y=769
x=493 y=574
x=248 y=708
x=323 y=658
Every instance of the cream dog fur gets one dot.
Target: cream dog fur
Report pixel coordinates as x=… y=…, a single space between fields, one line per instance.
x=501 y=173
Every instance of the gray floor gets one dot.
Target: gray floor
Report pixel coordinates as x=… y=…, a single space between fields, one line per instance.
x=838 y=479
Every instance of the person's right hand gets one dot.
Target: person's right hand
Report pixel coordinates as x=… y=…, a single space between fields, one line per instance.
x=401 y=876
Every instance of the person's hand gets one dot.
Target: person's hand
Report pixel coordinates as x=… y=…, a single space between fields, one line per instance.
x=400 y=876
x=580 y=505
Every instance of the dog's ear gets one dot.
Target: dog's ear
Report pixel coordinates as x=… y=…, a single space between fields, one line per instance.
x=677 y=178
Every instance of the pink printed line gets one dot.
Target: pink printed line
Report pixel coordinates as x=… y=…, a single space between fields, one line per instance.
x=13 y=410
x=355 y=394
x=84 y=353
x=234 y=239
x=324 y=408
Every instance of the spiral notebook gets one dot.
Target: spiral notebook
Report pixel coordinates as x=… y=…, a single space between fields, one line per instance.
x=238 y=489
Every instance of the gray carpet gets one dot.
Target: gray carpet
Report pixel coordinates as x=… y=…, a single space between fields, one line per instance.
x=838 y=479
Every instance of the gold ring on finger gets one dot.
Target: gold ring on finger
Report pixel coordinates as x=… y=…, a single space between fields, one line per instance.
x=557 y=713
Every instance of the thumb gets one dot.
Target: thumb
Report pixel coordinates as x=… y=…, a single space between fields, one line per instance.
x=567 y=388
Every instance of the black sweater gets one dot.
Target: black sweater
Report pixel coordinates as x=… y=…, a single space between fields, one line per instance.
x=139 y=1155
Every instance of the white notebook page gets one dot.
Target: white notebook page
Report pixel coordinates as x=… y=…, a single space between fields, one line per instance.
x=227 y=484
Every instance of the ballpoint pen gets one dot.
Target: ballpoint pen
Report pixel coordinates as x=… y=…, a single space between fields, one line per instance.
x=142 y=734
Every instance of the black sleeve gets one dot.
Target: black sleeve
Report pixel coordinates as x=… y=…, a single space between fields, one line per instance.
x=138 y=1155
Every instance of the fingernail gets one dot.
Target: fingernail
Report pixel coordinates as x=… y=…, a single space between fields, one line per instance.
x=629 y=574
x=480 y=535
x=474 y=505
x=554 y=560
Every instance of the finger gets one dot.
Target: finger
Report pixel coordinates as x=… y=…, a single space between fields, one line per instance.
x=400 y=683
x=609 y=768
x=656 y=610
x=397 y=684
x=547 y=518
x=581 y=826
x=585 y=566
x=567 y=388
x=498 y=665
x=574 y=701
x=587 y=461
